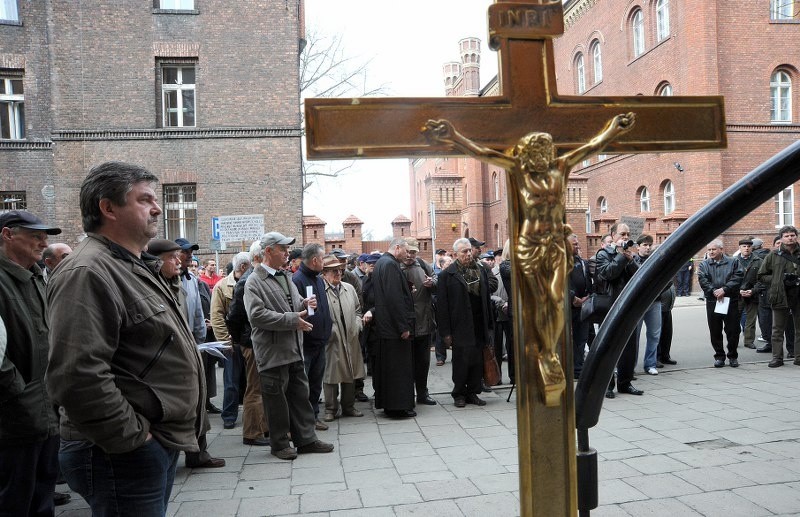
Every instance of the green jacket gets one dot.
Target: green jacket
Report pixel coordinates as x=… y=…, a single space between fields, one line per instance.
x=26 y=412
x=771 y=273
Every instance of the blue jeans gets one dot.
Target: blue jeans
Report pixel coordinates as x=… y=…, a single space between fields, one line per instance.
x=231 y=379
x=135 y=483
x=314 y=361
x=651 y=318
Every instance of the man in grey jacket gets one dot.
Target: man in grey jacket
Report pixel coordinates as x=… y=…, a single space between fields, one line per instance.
x=277 y=315
x=123 y=364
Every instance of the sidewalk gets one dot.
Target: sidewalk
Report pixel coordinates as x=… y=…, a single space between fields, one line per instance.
x=711 y=442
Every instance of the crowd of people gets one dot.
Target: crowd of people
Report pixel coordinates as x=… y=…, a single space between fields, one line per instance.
x=103 y=380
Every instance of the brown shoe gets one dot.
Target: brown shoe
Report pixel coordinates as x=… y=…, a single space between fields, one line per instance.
x=352 y=412
x=285 y=454
x=315 y=447
x=460 y=402
x=210 y=463
x=320 y=426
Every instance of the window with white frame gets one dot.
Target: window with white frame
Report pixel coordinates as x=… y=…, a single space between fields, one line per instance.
x=580 y=73
x=12 y=109
x=781 y=9
x=180 y=211
x=669 y=198
x=180 y=5
x=597 y=62
x=588 y=221
x=8 y=11
x=662 y=20
x=665 y=90
x=13 y=200
x=178 y=95
x=644 y=200
x=784 y=208
x=496 y=184
x=780 y=86
x=637 y=27
x=602 y=204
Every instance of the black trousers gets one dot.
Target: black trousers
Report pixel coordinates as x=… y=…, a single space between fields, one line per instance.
x=467 y=370
x=626 y=364
x=421 y=357
x=28 y=477
x=665 y=339
x=503 y=329
x=727 y=323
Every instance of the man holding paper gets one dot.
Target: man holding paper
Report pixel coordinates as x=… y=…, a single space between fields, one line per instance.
x=720 y=278
x=781 y=272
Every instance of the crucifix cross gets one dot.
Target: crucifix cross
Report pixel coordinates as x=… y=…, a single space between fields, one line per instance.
x=487 y=127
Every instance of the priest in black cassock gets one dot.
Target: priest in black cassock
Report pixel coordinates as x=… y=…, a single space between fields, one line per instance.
x=393 y=374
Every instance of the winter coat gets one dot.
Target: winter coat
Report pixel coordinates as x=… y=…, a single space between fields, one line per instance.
x=771 y=273
x=724 y=273
x=454 y=309
x=425 y=323
x=343 y=359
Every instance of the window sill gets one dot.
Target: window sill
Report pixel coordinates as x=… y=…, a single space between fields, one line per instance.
x=789 y=21
x=175 y=11
x=11 y=22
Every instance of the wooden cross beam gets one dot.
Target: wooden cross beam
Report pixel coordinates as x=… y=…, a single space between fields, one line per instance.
x=521 y=32
x=390 y=127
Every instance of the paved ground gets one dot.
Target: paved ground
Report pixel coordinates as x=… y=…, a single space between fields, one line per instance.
x=701 y=441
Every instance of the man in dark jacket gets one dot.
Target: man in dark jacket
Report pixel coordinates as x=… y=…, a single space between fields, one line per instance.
x=615 y=266
x=781 y=272
x=393 y=373
x=123 y=363
x=580 y=286
x=309 y=275
x=28 y=422
x=719 y=277
x=464 y=315
x=749 y=263
x=420 y=275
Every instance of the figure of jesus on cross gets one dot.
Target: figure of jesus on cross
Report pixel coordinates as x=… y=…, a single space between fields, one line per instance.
x=539 y=179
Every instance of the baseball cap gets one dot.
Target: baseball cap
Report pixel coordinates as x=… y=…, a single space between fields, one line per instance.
x=363 y=257
x=373 y=258
x=413 y=244
x=159 y=246
x=273 y=238
x=340 y=254
x=186 y=245
x=25 y=219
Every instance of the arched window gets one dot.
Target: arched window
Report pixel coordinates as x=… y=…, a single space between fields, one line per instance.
x=780 y=87
x=637 y=29
x=602 y=205
x=669 y=198
x=781 y=9
x=597 y=62
x=496 y=184
x=662 y=20
x=497 y=241
x=665 y=90
x=580 y=74
x=644 y=200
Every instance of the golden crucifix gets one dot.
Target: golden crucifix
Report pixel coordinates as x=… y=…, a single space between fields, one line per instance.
x=390 y=127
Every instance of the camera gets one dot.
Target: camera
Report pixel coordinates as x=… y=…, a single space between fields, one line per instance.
x=791 y=280
x=628 y=244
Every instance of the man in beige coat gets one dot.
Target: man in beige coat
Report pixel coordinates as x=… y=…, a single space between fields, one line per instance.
x=343 y=360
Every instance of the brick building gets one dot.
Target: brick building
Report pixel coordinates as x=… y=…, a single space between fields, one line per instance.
x=749 y=52
x=203 y=95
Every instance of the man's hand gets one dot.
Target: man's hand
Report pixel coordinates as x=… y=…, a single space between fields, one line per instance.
x=428 y=281
x=367 y=317
x=310 y=302
x=438 y=131
x=405 y=334
x=746 y=293
x=304 y=325
x=578 y=302
x=719 y=294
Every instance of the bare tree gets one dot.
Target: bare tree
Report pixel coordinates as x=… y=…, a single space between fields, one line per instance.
x=326 y=70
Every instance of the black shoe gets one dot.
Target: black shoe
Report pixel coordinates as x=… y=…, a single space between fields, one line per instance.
x=361 y=396
x=61 y=498
x=211 y=408
x=260 y=442
x=634 y=378
x=630 y=390
x=669 y=361
x=401 y=413
x=316 y=447
x=775 y=363
x=485 y=388
x=719 y=363
x=459 y=402
x=749 y=345
x=610 y=394
x=427 y=400
x=790 y=354
x=764 y=350
x=734 y=363
x=474 y=399
x=659 y=364
x=228 y=425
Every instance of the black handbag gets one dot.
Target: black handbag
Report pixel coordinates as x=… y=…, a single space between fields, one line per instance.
x=596 y=307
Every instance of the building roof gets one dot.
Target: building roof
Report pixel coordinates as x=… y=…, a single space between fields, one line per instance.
x=352 y=220
x=313 y=220
x=400 y=219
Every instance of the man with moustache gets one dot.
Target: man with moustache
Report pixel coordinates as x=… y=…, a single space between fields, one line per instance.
x=123 y=364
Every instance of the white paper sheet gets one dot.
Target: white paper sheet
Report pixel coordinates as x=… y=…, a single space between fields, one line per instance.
x=722 y=306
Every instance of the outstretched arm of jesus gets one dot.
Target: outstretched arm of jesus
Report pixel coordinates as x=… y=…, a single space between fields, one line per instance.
x=443 y=131
x=615 y=127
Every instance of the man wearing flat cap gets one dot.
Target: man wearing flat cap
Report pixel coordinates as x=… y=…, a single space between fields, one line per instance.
x=279 y=317
x=28 y=423
x=123 y=363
